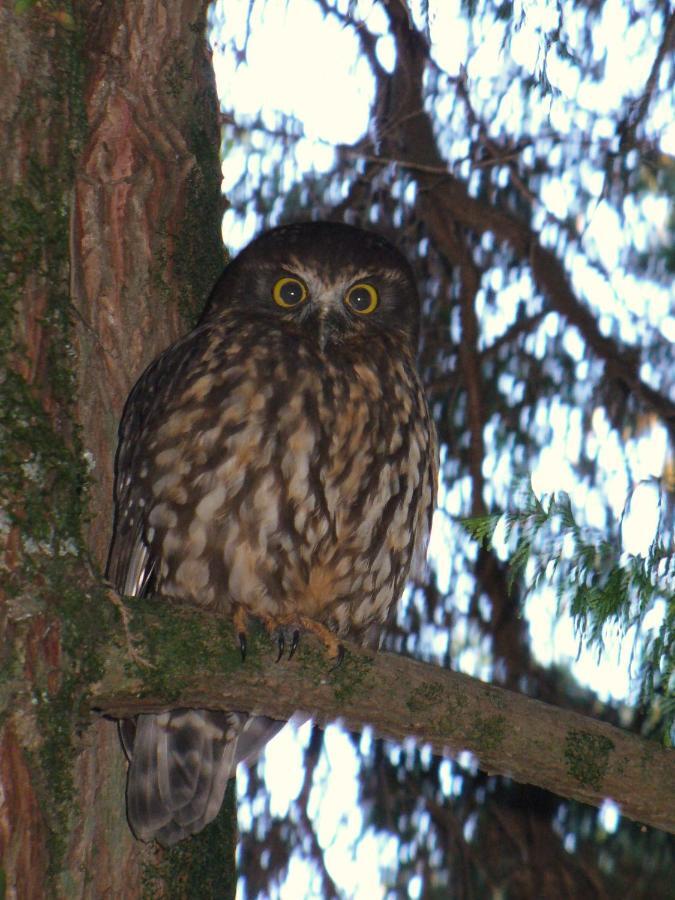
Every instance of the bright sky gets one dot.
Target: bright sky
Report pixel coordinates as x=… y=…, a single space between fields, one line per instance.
x=299 y=64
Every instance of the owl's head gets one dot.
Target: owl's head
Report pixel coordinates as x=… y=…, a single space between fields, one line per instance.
x=331 y=281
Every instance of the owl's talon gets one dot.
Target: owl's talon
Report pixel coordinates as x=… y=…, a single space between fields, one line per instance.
x=281 y=644
x=294 y=643
x=340 y=657
x=242 y=645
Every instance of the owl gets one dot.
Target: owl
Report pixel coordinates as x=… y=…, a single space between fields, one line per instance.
x=278 y=462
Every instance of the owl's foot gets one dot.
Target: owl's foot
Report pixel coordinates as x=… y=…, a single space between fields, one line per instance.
x=287 y=630
x=274 y=626
x=332 y=643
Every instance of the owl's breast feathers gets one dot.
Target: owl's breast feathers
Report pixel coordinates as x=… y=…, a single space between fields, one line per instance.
x=253 y=470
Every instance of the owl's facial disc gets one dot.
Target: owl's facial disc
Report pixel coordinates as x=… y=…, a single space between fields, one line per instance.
x=334 y=304
x=318 y=279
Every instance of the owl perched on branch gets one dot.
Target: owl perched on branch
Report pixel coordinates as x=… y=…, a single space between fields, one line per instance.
x=278 y=461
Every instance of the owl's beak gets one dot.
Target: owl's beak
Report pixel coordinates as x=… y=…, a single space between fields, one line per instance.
x=329 y=324
x=322 y=338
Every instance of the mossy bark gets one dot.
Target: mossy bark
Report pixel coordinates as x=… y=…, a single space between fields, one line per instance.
x=110 y=240
x=194 y=660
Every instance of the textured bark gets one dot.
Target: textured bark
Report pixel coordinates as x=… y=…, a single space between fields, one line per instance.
x=146 y=218
x=110 y=214
x=194 y=662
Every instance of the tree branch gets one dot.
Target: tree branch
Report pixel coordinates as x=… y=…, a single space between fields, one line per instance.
x=445 y=201
x=640 y=106
x=197 y=664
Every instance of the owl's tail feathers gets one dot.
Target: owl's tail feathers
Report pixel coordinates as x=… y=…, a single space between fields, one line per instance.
x=180 y=763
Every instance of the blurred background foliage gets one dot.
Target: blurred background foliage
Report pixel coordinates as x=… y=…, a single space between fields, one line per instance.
x=522 y=155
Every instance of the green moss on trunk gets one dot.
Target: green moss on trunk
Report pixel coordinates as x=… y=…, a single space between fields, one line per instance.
x=43 y=470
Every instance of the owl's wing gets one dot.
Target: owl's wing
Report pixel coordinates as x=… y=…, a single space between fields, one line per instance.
x=429 y=478
x=130 y=563
x=179 y=761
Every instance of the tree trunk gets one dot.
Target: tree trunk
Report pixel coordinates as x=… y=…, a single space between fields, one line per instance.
x=110 y=215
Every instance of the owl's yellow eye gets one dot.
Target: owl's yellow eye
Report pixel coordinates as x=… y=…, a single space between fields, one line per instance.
x=362 y=298
x=289 y=292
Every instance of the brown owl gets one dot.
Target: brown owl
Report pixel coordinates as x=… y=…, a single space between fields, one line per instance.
x=278 y=461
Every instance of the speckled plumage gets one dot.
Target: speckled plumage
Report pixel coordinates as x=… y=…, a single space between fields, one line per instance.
x=276 y=460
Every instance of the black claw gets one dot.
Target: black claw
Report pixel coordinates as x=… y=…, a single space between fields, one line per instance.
x=294 y=643
x=340 y=658
x=242 y=645
x=281 y=644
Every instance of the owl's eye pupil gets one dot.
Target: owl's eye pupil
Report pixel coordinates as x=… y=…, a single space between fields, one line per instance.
x=289 y=291
x=362 y=298
x=359 y=299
